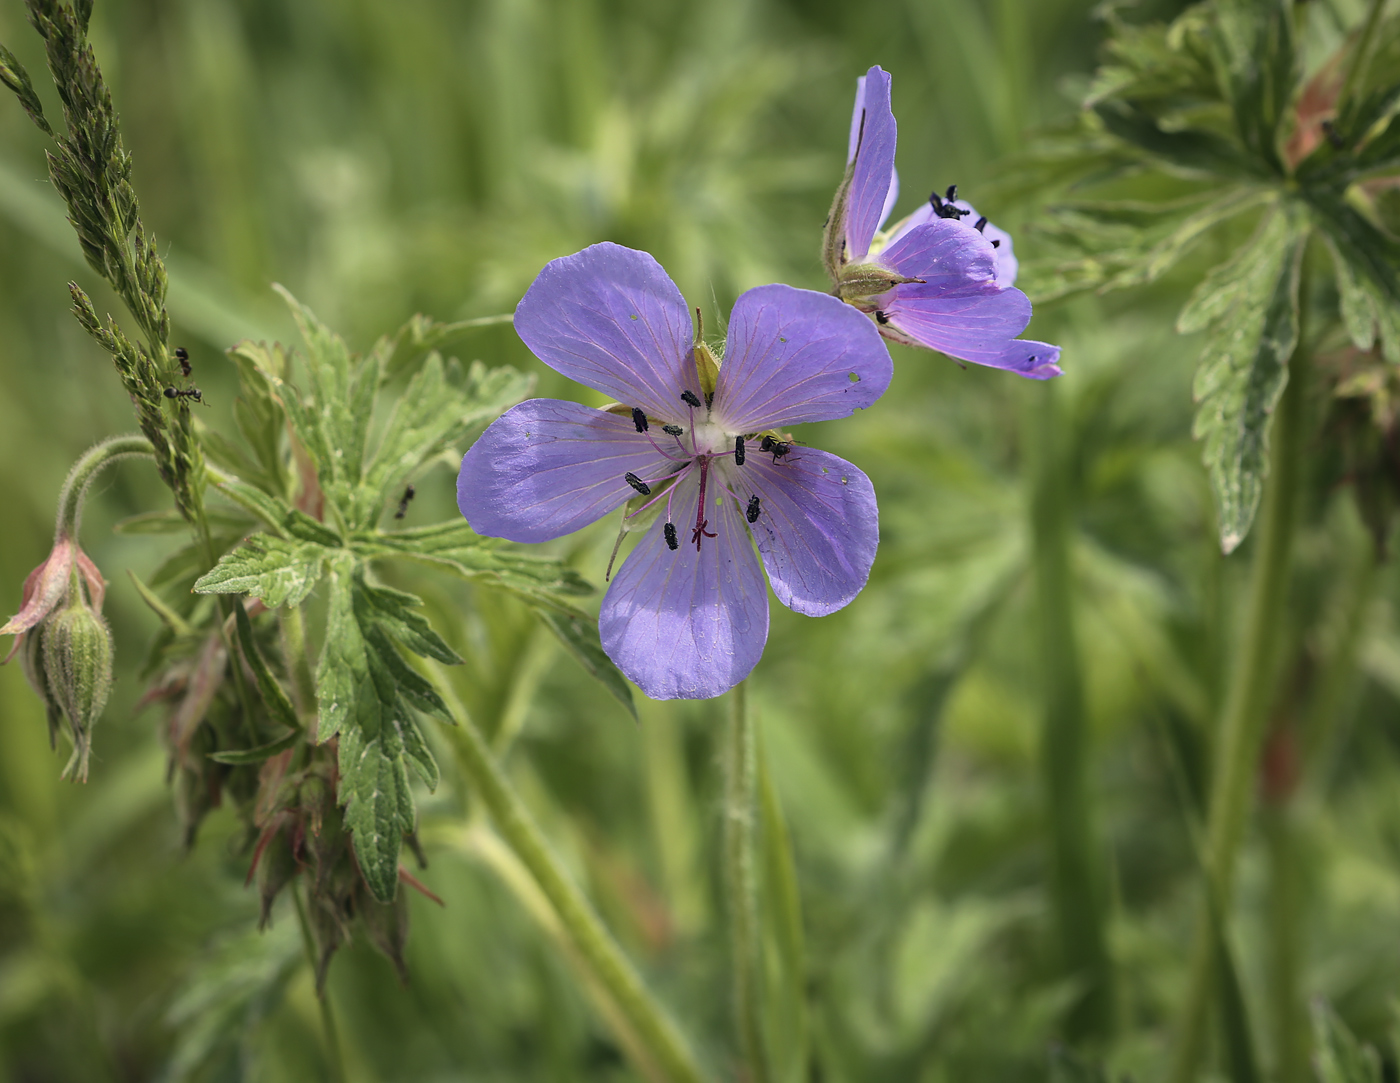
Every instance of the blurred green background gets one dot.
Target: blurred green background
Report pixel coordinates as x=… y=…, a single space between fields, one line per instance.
x=381 y=159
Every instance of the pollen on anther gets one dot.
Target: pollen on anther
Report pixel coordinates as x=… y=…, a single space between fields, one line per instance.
x=637 y=483
x=669 y=532
x=690 y=398
x=639 y=418
x=738 y=451
x=672 y=430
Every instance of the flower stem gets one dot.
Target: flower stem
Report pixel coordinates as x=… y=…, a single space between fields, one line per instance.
x=597 y=950
x=1076 y=878
x=335 y=1061
x=741 y=886
x=1247 y=701
x=84 y=471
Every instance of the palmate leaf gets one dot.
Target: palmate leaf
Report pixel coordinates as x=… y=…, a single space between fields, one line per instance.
x=279 y=571
x=1249 y=307
x=1257 y=66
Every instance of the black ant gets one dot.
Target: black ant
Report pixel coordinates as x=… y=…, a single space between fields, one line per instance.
x=182 y=355
x=185 y=393
x=778 y=448
x=403 y=502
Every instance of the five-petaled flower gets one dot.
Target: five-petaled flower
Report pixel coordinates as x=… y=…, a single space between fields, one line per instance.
x=933 y=279
x=697 y=444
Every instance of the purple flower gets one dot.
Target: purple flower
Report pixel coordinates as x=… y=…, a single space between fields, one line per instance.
x=932 y=279
x=695 y=443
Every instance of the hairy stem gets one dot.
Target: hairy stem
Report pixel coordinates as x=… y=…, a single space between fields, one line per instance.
x=84 y=471
x=1076 y=878
x=335 y=1061
x=741 y=885
x=597 y=951
x=1247 y=702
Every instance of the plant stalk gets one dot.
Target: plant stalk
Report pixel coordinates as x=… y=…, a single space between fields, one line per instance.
x=330 y=1034
x=83 y=473
x=741 y=885
x=596 y=948
x=1077 y=891
x=1248 y=698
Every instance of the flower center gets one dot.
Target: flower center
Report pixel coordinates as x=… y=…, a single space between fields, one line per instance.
x=711 y=439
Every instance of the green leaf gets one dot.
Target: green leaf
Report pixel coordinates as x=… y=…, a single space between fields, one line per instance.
x=1192 y=150
x=374 y=788
x=580 y=636
x=412 y=685
x=1370 y=252
x=278 y=571
x=278 y=514
x=398 y=613
x=417 y=751
x=1258 y=69
x=1340 y=1058
x=172 y=620
x=244 y=756
x=1366 y=314
x=278 y=704
x=172 y=522
x=1250 y=305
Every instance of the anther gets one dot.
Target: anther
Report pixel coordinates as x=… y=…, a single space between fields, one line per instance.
x=690 y=398
x=996 y=243
x=672 y=430
x=738 y=451
x=639 y=418
x=952 y=194
x=943 y=205
x=751 y=512
x=980 y=224
x=880 y=317
x=637 y=483
x=669 y=531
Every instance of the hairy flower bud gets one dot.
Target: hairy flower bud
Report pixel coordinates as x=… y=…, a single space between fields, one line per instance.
x=31 y=660
x=78 y=668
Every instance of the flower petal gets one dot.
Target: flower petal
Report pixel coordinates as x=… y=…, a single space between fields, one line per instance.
x=817 y=527
x=1003 y=255
x=682 y=624
x=610 y=318
x=872 y=146
x=547 y=467
x=44 y=587
x=1026 y=357
x=795 y=355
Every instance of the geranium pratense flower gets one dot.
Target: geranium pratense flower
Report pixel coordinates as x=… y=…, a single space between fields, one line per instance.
x=942 y=278
x=698 y=444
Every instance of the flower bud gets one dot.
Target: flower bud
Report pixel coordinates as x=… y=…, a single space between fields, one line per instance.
x=78 y=668
x=31 y=660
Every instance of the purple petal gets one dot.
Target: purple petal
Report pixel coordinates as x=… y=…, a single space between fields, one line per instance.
x=795 y=355
x=872 y=149
x=1026 y=357
x=610 y=318
x=817 y=527
x=547 y=467
x=1003 y=255
x=682 y=624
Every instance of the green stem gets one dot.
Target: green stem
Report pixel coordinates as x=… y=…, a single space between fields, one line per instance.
x=1247 y=703
x=596 y=948
x=741 y=886
x=1076 y=878
x=335 y=1061
x=1290 y=1021
x=84 y=471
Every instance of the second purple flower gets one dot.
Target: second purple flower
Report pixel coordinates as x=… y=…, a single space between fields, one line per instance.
x=698 y=443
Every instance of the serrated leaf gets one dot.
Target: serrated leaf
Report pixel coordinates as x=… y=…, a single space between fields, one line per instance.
x=1340 y=1058
x=1188 y=149
x=1251 y=306
x=244 y=756
x=278 y=571
x=374 y=788
x=1370 y=252
x=417 y=751
x=421 y=335
x=277 y=702
x=278 y=514
x=397 y=612
x=412 y=685
x=1257 y=66
x=1365 y=313
x=342 y=672
x=580 y=636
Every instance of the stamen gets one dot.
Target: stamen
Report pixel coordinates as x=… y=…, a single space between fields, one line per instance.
x=952 y=194
x=669 y=530
x=672 y=430
x=943 y=205
x=996 y=243
x=639 y=418
x=690 y=398
x=738 y=451
x=637 y=483
x=880 y=317
x=751 y=512
x=980 y=224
